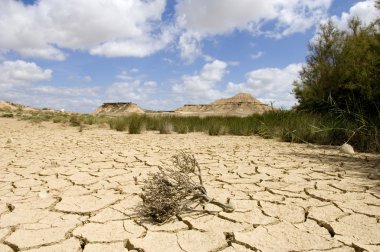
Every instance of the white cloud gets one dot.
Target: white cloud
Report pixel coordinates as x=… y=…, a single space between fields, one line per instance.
x=189 y=46
x=78 y=99
x=104 y=27
x=19 y=83
x=19 y=72
x=269 y=85
x=266 y=84
x=48 y=52
x=257 y=55
x=202 y=86
x=200 y=19
x=364 y=10
x=130 y=88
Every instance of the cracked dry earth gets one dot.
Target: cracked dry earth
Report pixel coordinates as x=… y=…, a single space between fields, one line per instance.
x=64 y=190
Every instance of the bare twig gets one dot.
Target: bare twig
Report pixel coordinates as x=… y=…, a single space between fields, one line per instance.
x=172 y=191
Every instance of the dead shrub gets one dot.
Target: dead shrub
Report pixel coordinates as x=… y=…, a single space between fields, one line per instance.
x=175 y=190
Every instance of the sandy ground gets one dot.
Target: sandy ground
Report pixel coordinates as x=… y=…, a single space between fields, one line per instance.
x=64 y=190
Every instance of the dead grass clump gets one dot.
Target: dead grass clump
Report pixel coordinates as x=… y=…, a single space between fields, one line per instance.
x=175 y=190
x=165 y=127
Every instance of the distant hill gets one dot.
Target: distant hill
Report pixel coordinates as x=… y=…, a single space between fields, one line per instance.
x=10 y=106
x=119 y=108
x=242 y=104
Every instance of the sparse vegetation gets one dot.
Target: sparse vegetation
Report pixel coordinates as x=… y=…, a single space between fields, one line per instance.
x=7 y=115
x=173 y=191
x=75 y=121
x=136 y=125
x=165 y=127
x=342 y=81
x=286 y=125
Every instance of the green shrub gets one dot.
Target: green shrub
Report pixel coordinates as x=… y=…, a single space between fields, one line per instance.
x=75 y=121
x=216 y=129
x=136 y=126
x=165 y=127
x=7 y=115
x=181 y=129
x=59 y=119
x=88 y=119
x=119 y=124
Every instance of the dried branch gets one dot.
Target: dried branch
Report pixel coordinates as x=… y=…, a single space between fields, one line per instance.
x=172 y=191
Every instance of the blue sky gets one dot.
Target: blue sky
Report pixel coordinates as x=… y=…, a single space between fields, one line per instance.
x=77 y=54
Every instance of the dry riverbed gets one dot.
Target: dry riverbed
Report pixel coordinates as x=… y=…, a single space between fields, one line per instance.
x=65 y=190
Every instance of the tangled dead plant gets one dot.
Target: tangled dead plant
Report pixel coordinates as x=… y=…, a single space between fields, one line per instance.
x=172 y=191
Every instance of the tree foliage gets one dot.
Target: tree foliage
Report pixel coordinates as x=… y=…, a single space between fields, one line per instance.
x=342 y=72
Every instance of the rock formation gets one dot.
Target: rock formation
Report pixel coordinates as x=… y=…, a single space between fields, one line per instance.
x=10 y=106
x=242 y=104
x=119 y=108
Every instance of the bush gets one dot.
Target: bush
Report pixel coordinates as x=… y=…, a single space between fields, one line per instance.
x=136 y=125
x=88 y=119
x=181 y=128
x=75 y=121
x=7 y=115
x=216 y=129
x=172 y=191
x=59 y=119
x=119 y=124
x=165 y=127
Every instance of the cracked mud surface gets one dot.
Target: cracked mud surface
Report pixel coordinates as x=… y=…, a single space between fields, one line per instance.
x=64 y=190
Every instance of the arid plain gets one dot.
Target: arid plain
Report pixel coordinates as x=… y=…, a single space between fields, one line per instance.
x=64 y=190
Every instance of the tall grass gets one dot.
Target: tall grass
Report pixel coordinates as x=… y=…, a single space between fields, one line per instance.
x=290 y=126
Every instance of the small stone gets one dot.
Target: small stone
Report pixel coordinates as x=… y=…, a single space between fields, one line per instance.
x=43 y=194
x=9 y=141
x=231 y=203
x=348 y=149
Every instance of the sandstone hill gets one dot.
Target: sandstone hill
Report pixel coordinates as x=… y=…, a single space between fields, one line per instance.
x=242 y=104
x=119 y=108
x=10 y=106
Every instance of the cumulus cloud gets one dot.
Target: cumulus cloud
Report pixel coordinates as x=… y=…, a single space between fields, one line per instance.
x=272 y=18
x=189 y=46
x=266 y=84
x=105 y=27
x=78 y=99
x=364 y=10
x=15 y=73
x=269 y=85
x=257 y=55
x=20 y=82
x=130 y=88
x=135 y=28
x=202 y=86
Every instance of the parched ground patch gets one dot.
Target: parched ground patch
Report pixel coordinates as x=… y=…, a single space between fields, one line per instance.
x=64 y=190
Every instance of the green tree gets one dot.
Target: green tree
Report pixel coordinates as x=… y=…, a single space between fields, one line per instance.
x=342 y=71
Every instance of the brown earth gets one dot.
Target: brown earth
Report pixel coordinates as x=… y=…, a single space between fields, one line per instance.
x=9 y=106
x=242 y=104
x=64 y=190
x=119 y=109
